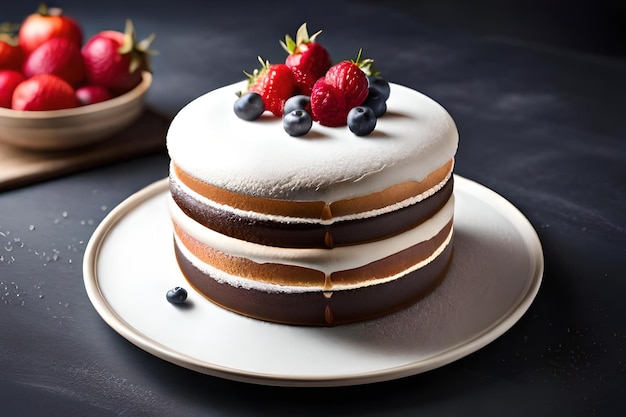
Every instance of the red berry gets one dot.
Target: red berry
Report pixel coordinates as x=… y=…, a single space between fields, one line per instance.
x=304 y=81
x=90 y=94
x=308 y=59
x=343 y=87
x=58 y=56
x=275 y=83
x=46 y=24
x=351 y=80
x=43 y=92
x=328 y=105
x=115 y=60
x=11 y=54
x=9 y=80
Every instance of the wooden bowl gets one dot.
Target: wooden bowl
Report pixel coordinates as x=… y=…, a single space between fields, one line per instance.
x=57 y=130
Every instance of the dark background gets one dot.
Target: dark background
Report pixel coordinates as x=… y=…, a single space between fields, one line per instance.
x=590 y=26
x=596 y=27
x=537 y=90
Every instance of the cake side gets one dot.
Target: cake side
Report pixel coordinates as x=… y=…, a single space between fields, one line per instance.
x=315 y=194
x=323 y=308
x=327 y=262
x=325 y=226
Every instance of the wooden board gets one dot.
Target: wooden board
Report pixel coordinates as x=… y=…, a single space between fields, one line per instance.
x=21 y=167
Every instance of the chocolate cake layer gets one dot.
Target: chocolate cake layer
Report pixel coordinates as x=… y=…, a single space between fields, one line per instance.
x=314 y=209
x=282 y=274
x=320 y=308
x=313 y=234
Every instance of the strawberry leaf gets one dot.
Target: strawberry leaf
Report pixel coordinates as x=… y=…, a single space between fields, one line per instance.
x=139 y=52
x=144 y=45
x=289 y=45
x=302 y=35
x=129 y=38
x=8 y=33
x=365 y=64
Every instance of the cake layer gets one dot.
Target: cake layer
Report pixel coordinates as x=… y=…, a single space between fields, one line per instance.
x=327 y=261
x=207 y=141
x=379 y=202
x=325 y=231
x=319 y=307
x=305 y=278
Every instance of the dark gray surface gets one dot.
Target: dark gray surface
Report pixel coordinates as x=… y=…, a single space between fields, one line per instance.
x=540 y=123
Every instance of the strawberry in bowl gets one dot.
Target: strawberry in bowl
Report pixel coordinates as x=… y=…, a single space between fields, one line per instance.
x=57 y=93
x=115 y=60
x=9 y=80
x=39 y=127
x=43 y=92
x=57 y=56
x=45 y=24
x=11 y=54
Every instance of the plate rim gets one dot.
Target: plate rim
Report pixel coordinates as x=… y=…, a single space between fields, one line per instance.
x=444 y=357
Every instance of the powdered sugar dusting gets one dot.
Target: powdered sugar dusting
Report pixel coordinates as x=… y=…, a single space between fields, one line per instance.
x=207 y=140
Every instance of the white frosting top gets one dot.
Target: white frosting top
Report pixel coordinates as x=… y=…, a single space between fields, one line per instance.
x=208 y=141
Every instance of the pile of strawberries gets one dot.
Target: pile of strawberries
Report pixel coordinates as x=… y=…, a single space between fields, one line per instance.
x=328 y=92
x=44 y=64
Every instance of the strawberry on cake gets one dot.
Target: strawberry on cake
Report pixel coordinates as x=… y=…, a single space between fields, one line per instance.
x=333 y=207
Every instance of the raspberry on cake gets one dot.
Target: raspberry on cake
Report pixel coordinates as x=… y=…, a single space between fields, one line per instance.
x=326 y=228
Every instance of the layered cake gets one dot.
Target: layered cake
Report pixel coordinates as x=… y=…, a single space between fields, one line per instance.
x=323 y=229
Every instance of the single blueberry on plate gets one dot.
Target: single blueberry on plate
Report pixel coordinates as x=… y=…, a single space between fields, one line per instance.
x=297 y=102
x=177 y=295
x=249 y=106
x=297 y=123
x=361 y=120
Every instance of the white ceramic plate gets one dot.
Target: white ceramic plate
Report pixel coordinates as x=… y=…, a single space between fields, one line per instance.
x=495 y=274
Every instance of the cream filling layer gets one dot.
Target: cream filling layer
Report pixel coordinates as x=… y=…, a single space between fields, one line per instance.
x=239 y=282
x=284 y=219
x=325 y=260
